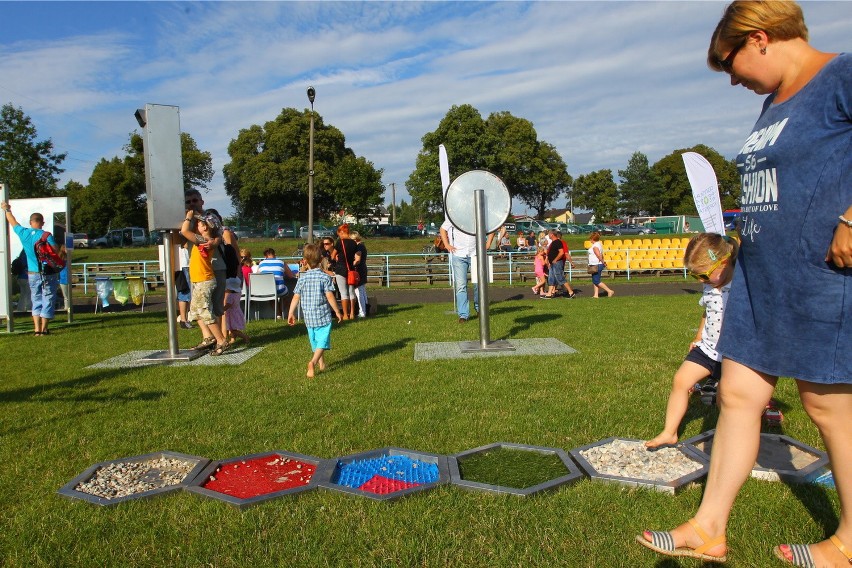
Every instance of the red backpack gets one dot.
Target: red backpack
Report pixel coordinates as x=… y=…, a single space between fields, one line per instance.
x=49 y=261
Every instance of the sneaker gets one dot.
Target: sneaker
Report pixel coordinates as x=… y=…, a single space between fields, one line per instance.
x=186 y=325
x=462 y=320
x=571 y=295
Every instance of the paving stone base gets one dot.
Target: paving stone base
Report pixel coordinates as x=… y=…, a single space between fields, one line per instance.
x=135 y=359
x=453 y=349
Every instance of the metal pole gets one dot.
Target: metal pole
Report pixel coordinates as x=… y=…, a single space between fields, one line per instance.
x=171 y=295
x=311 y=180
x=393 y=201
x=482 y=267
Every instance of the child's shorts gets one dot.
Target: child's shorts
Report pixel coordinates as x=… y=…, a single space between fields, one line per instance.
x=320 y=337
x=697 y=356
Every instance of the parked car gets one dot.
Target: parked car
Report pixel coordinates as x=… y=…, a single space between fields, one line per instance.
x=248 y=233
x=392 y=231
x=81 y=240
x=605 y=229
x=126 y=237
x=286 y=231
x=320 y=231
x=632 y=229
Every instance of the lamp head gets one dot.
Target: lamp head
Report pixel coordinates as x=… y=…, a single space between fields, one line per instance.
x=312 y=93
x=141 y=117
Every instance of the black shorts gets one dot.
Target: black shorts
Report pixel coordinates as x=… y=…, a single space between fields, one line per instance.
x=697 y=356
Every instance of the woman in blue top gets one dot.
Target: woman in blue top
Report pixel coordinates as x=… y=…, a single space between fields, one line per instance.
x=790 y=307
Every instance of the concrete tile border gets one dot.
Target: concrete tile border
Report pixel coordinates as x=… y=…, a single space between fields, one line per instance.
x=328 y=472
x=791 y=474
x=672 y=487
x=197 y=488
x=68 y=490
x=573 y=474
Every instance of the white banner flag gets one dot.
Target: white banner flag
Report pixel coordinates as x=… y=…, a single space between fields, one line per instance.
x=705 y=192
x=444 y=165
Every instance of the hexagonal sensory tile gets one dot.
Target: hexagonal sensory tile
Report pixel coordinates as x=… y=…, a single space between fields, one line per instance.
x=515 y=469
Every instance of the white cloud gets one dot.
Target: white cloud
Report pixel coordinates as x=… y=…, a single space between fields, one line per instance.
x=599 y=80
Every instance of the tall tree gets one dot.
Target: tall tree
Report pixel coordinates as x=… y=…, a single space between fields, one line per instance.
x=27 y=165
x=676 y=195
x=461 y=132
x=503 y=144
x=267 y=176
x=197 y=164
x=597 y=192
x=116 y=193
x=639 y=191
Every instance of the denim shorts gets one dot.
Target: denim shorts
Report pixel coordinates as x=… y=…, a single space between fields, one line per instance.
x=43 y=293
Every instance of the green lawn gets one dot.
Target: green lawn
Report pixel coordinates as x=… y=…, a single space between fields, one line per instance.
x=57 y=418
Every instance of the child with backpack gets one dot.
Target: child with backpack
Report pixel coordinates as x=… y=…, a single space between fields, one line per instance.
x=709 y=258
x=43 y=267
x=314 y=292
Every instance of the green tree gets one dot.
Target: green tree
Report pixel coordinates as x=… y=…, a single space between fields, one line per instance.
x=357 y=186
x=462 y=132
x=27 y=165
x=116 y=193
x=267 y=176
x=197 y=164
x=639 y=191
x=598 y=193
x=676 y=195
x=503 y=144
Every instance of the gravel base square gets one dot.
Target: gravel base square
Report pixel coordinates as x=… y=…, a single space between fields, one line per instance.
x=131 y=359
x=452 y=349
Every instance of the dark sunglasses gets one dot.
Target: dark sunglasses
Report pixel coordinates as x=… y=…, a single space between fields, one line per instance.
x=727 y=64
x=193 y=200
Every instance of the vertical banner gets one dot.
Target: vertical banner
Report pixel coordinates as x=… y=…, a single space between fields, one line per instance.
x=705 y=192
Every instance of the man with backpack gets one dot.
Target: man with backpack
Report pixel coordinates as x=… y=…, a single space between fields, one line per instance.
x=42 y=267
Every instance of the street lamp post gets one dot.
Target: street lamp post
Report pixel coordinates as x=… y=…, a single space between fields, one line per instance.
x=311 y=96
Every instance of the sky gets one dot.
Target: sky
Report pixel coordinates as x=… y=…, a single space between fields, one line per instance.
x=598 y=80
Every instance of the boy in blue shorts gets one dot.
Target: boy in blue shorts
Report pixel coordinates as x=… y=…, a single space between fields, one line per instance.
x=315 y=291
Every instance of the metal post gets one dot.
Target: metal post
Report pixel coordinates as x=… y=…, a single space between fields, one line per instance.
x=482 y=266
x=311 y=95
x=485 y=343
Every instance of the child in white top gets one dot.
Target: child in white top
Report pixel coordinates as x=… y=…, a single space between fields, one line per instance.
x=709 y=258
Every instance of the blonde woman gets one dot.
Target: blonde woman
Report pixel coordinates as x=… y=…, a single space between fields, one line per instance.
x=596 y=261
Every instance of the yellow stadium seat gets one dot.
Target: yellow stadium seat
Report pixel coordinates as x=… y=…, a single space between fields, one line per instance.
x=656 y=243
x=657 y=264
x=587 y=244
x=627 y=243
x=617 y=243
x=678 y=263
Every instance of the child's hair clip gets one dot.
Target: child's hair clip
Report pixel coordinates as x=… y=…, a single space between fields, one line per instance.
x=711 y=254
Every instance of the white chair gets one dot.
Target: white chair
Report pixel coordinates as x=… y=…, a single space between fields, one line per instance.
x=244 y=297
x=262 y=289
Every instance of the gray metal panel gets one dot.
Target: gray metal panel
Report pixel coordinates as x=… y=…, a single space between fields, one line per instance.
x=163 y=167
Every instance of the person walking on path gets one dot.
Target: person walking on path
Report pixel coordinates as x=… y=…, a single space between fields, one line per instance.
x=795 y=236
x=597 y=265
x=43 y=286
x=556 y=258
x=315 y=294
x=710 y=259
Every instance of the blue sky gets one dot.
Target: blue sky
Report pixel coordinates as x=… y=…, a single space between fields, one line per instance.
x=599 y=80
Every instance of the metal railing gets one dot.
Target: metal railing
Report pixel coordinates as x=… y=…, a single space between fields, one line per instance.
x=388 y=270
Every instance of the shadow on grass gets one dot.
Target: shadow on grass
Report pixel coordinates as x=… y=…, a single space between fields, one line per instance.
x=526 y=322
x=500 y=309
x=375 y=351
x=815 y=499
x=81 y=389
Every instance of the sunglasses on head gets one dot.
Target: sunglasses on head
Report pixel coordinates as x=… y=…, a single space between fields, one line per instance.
x=705 y=276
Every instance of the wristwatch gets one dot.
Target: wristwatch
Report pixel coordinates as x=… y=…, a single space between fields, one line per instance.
x=845 y=221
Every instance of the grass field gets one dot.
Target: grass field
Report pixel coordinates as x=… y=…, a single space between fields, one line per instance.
x=57 y=417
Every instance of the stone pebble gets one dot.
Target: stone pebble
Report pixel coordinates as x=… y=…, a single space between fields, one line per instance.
x=122 y=479
x=625 y=458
